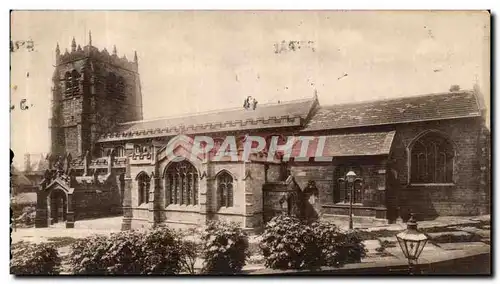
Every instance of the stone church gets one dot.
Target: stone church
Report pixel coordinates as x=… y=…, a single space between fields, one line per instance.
x=426 y=154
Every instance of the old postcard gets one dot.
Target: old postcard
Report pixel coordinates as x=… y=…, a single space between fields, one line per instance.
x=250 y=142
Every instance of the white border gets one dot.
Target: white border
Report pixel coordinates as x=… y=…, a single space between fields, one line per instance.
x=212 y=5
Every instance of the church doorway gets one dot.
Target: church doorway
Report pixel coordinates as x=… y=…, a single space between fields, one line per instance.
x=58 y=206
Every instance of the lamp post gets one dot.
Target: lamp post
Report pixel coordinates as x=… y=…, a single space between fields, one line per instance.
x=412 y=242
x=350 y=177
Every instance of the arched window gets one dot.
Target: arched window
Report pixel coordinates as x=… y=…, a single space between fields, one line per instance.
x=224 y=190
x=143 y=183
x=75 y=77
x=341 y=190
x=111 y=83
x=67 y=82
x=181 y=184
x=431 y=160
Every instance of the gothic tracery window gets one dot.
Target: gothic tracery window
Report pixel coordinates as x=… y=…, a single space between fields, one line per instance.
x=75 y=77
x=431 y=160
x=143 y=184
x=67 y=82
x=181 y=184
x=224 y=190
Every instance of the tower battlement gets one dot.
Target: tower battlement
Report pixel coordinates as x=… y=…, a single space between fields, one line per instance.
x=89 y=51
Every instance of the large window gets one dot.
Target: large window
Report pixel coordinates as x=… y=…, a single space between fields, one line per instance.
x=224 y=190
x=143 y=184
x=432 y=160
x=341 y=190
x=71 y=82
x=181 y=184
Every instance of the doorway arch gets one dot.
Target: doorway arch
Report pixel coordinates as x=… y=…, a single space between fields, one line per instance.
x=58 y=206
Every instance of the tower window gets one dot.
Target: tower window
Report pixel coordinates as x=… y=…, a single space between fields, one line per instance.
x=120 y=87
x=75 y=77
x=111 y=83
x=68 y=85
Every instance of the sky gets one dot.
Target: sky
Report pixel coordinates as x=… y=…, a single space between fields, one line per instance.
x=191 y=61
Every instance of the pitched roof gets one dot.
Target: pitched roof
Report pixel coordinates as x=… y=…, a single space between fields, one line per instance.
x=18 y=178
x=352 y=144
x=401 y=110
x=291 y=113
x=359 y=144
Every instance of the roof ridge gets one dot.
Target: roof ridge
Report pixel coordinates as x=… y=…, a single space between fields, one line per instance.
x=399 y=98
x=215 y=111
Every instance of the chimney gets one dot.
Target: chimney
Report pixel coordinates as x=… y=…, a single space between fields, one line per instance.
x=27 y=162
x=454 y=88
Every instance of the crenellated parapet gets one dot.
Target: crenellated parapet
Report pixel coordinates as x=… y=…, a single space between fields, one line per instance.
x=77 y=53
x=258 y=123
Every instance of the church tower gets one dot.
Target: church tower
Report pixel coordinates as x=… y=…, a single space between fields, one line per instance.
x=92 y=92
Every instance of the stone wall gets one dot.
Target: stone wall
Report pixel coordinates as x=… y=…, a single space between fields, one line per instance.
x=462 y=197
x=91 y=202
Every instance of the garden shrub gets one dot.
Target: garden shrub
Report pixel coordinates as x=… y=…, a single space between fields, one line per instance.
x=351 y=248
x=87 y=255
x=289 y=243
x=224 y=248
x=156 y=251
x=162 y=252
x=34 y=259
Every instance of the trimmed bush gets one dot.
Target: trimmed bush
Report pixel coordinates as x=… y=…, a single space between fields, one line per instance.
x=87 y=255
x=34 y=259
x=225 y=248
x=337 y=248
x=289 y=243
x=157 y=251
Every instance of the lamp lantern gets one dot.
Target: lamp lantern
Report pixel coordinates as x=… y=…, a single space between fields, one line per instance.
x=412 y=242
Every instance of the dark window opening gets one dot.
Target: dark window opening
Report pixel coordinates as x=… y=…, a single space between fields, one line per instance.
x=342 y=190
x=143 y=183
x=181 y=184
x=225 y=190
x=432 y=160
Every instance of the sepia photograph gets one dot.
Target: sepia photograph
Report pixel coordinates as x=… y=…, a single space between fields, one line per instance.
x=250 y=142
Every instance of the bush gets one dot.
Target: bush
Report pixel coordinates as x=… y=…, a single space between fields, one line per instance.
x=288 y=243
x=190 y=248
x=34 y=259
x=87 y=255
x=156 y=251
x=225 y=248
x=350 y=247
x=337 y=248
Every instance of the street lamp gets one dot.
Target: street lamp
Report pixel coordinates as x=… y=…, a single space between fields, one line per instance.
x=350 y=177
x=412 y=242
